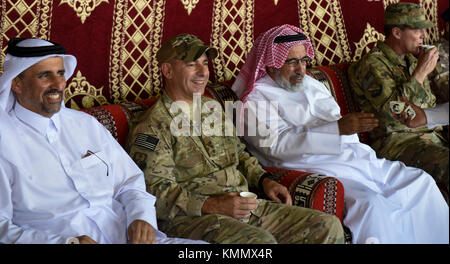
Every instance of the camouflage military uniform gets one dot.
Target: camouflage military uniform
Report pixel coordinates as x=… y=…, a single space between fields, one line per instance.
x=439 y=77
x=183 y=171
x=382 y=76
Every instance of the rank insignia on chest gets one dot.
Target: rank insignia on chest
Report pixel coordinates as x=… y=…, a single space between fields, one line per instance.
x=146 y=141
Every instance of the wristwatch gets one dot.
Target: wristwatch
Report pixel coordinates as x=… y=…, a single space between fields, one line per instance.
x=72 y=240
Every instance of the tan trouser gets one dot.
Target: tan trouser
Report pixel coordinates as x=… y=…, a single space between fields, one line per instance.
x=271 y=223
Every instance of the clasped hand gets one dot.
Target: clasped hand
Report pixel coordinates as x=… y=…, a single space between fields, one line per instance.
x=357 y=122
x=139 y=232
x=426 y=63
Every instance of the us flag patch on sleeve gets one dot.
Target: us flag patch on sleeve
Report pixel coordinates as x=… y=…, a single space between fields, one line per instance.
x=146 y=141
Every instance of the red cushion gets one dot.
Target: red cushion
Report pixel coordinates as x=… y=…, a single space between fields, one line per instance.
x=116 y=117
x=312 y=190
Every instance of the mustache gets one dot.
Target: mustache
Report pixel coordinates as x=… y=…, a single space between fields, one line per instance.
x=53 y=91
x=296 y=76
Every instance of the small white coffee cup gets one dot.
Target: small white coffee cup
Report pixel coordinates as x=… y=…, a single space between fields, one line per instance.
x=427 y=47
x=248 y=195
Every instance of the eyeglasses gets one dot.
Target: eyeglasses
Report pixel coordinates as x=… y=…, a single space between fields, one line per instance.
x=106 y=164
x=293 y=62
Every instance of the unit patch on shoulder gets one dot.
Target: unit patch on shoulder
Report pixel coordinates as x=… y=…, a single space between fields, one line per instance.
x=146 y=141
x=141 y=160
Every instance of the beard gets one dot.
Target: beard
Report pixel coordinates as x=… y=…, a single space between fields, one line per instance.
x=286 y=84
x=52 y=108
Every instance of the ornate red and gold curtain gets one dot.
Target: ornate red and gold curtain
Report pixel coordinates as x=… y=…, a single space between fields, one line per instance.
x=115 y=41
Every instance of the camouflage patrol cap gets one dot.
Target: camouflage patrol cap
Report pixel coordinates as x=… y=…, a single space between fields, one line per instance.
x=185 y=47
x=408 y=14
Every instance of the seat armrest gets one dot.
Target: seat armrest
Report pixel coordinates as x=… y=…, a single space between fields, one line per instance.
x=312 y=190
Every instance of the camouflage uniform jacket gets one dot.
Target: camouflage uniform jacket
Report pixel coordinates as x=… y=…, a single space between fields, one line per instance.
x=382 y=76
x=183 y=171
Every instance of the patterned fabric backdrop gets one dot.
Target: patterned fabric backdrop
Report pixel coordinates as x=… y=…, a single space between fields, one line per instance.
x=115 y=41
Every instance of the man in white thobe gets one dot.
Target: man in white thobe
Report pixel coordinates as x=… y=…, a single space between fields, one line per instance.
x=63 y=177
x=385 y=201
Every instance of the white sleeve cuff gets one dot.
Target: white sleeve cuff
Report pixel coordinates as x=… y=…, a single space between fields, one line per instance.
x=328 y=128
x=437 y=116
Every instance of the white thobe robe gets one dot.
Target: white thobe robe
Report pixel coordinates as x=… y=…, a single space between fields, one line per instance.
x=66 y=176
x=385 y=201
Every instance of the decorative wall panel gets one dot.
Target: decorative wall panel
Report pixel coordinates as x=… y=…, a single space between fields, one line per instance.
x=189 y=5
x=136 y=37
x=232 y=34
x=370 y=36
x=322 y=20
x=24 y=18
x=83 y=8
x=432 y=15
x=389 y=2
x=115 y=41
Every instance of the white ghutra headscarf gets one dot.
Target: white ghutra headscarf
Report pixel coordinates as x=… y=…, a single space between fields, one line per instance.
x=24 y=53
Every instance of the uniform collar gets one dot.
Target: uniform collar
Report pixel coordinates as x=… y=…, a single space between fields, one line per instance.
x=40 y=123
x=390 y=54
x=166 y=99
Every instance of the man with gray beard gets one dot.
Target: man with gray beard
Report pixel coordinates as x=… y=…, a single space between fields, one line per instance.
x=200 y=180
x=386 y=201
